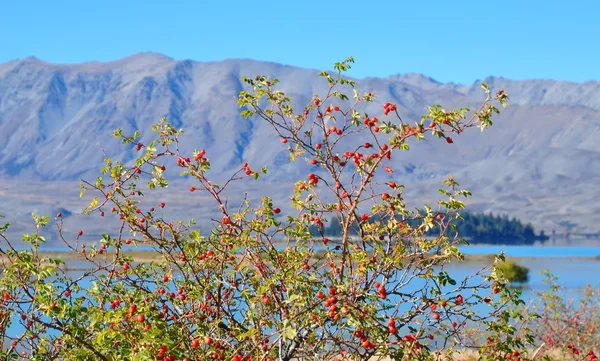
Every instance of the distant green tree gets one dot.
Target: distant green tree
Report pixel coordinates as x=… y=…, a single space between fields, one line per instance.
x=513 y=272
x=476 y=227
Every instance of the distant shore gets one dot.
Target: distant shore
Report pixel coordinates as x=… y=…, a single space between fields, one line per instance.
x=149 y=256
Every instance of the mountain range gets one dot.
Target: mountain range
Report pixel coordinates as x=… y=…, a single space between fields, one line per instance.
x=539 y=162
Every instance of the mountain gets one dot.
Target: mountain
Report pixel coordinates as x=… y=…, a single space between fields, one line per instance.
x=540 y=161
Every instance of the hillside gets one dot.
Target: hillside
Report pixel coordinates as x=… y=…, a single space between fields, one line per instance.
x=540 y=161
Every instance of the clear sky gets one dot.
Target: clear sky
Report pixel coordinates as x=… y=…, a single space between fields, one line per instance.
x=458 y=41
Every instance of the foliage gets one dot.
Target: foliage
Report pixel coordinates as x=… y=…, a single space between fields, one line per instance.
x=259 y=285
x=566 y=326
x=476 y=227
x=482 y=228
x=513 y=272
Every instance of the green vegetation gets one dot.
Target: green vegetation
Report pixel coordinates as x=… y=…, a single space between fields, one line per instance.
x=477 y=228
x=513 y=272
x=484 y=228
x=237 y=292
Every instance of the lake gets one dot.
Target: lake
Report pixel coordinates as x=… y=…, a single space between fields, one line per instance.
x=575 y=267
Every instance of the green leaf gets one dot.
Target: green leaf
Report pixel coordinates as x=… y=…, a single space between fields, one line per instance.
x=290 y=333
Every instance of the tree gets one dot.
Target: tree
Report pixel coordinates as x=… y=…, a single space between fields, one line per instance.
x=513 y=272
x=259 y=285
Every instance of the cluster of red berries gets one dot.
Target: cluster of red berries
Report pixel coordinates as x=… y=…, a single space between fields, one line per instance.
x=207 y=254
x=364 y=341
x=329 y=109
x=115 y=303
x=313 y=179
x=381 y=290
x=138 y=147
x=412 y=338
x=200 y=156
x=574 y=349
x=333 y=129
x=411 y=131
x=317 y=221
x=513 y=355
x=182 y=161
x=247 y=169
x=372 y=123
x=161 y=354
x=392 y=326
x=388 y=107
x=330 y=302
x=385 y=152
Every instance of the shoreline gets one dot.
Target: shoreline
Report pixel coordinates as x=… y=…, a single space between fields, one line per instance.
x=148 y=256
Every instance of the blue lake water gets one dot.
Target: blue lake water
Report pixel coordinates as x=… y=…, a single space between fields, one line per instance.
x=534 y=251
x=575 y=268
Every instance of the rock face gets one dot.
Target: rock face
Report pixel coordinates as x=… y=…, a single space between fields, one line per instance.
x=540 y=160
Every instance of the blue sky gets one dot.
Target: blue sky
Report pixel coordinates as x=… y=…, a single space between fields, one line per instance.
x=458 y=41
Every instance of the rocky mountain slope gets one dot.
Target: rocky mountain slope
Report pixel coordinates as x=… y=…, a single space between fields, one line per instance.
x=540 y=160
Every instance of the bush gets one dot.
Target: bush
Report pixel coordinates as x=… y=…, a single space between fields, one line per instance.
x=258 y=285
x=513 y=272
x=567 y=328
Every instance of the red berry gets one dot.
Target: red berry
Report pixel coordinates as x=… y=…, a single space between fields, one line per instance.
x=141 y=318
x=80 y=233
x=192 y=189
x=276 y=210
x=195 y=343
